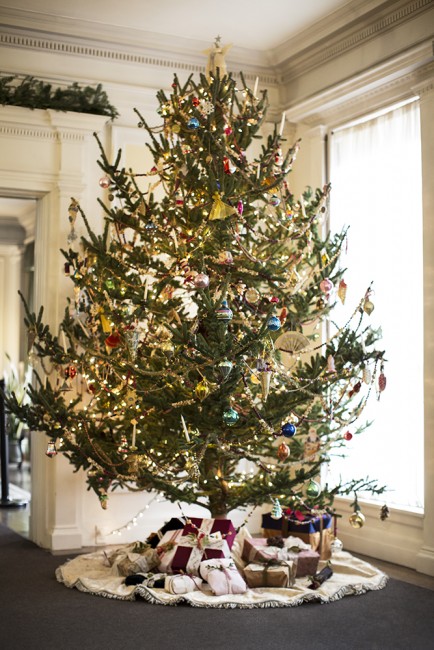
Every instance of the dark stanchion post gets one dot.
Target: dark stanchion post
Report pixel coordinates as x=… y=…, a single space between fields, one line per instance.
x=5 y=501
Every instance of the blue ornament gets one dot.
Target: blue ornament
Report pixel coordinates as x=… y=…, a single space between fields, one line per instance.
x=230 y=417
x=224 y=313
x=193 y=123
x=274 y=323
x=288 y=430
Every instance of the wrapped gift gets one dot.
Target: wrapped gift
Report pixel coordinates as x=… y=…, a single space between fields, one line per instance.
x=181 y=584
x=182 y=551
x=257 y=549
x=224 y=527
x=173 y=524
x=275 y=573
x=222 y=576
x=305 y=561
x=131 y=559
x=315 y=531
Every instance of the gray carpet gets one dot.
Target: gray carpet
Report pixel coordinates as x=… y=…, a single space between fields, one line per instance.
x=37 y=612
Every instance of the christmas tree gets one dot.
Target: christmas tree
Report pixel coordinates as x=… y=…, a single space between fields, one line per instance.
x=198 y=356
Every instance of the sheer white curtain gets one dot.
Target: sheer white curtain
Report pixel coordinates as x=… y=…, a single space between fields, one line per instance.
x=375 y=172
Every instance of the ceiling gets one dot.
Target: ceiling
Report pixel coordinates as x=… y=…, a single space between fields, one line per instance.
x=244 y=23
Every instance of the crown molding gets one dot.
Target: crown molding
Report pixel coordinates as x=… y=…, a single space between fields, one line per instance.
x=353 y=27
x=392 y=81
x=73 y=37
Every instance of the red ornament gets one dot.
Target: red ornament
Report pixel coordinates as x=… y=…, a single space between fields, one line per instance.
x=283 y=314
x=382 y=381
x=195 y=101
x=70 y=372
x=274 y=299
x=228 y=130
x=113 y=340
x=348 y=435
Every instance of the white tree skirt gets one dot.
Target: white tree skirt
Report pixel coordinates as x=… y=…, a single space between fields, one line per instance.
x=89 y=573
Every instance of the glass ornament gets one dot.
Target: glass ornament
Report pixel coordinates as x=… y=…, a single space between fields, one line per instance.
x=342 y=291
x=274 y=200
x=104 y=182
x=230 y=417
x=276 y=512
x=193 y=123
x=348 y=436
x=283 y=451
x=313 y=489
x=225 y=257
x=288 y=429
x=357 y=519
x=252 y=296
x=368 y=306
x=336 y=546
x=201 y=281
x=274 y=323
x=326 y=286
x=51 y=449
x=265 y=376
x=224 y=313
x=202 y=390
x=224 y=369
x=109 y=283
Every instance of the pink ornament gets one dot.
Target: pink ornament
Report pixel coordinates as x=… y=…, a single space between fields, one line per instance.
x=326 y=286
x=330 y=364
x=228 y=130
x=240 y=208
x=104 y=182
x=382 y=382
x=201 y=281
x=274 y=299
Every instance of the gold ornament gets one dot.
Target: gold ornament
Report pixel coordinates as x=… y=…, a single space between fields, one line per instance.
x=202 y=390
x=265 y=383
x=357 y=519
x=283 y=451
x=220 y=210
x=105 y=323
x=342 y=291
x=368 y=306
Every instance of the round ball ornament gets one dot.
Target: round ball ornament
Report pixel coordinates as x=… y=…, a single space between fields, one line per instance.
x=104 y=182
x=313 y=490
x=224 y=313
x=357 y=519
x=274 y=323
x=252 y=296
x=193 y=124
x=326 y=286
x=288 y=429
x=230 y=417
x=336 y=546
x=201 y=281
x=348 y=436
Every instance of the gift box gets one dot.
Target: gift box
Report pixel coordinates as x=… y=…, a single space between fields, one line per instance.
x=181 y=584
x=275 y=573
x=223 y=577
x=212 y=526
x=306 y=562
x=315 y=531
x=131 y=559
x=182 y=551
x=257 y=549
x=173 y=524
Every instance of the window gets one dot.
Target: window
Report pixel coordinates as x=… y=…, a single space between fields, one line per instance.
x=375 y=172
